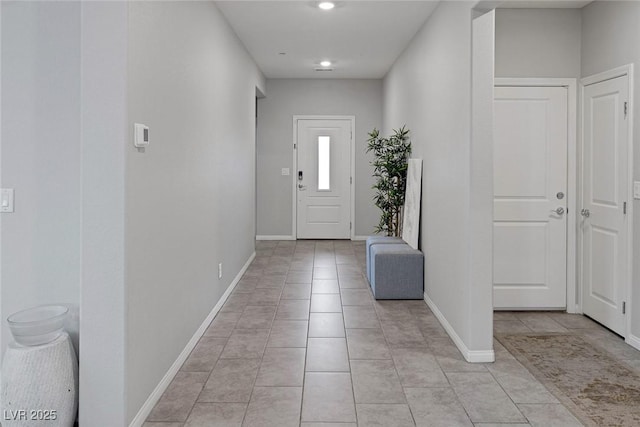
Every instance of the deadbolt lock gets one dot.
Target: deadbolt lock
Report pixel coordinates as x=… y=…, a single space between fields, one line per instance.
x=560 y=195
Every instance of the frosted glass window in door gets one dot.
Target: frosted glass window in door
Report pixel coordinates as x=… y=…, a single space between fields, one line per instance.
x=324 y=163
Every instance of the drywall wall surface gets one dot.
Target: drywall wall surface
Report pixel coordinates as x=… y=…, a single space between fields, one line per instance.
x=538 y=43
x=610 y=39
x=190 y=196
x=429 y=89
x=40 y=158
x=103 y=372
x=288 y=97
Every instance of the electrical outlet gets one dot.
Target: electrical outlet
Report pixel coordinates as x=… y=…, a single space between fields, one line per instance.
x=220 y=271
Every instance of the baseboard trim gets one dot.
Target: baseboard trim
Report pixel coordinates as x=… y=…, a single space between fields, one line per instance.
x=471 y=356
x=633 y=341
x=359 y=237
x=151 y=401
x=274 y=237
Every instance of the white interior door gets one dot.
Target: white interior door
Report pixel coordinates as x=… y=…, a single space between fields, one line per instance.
x=604 y=197
x=323 y=179
x=530 y=197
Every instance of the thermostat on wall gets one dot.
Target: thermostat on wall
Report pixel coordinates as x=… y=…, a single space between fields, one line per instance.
x=141 y=135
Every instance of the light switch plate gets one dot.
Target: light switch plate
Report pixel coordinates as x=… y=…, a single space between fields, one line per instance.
x=636 y=190
x=6 y=200
x=285 y=172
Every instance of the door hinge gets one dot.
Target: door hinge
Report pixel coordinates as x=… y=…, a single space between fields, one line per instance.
x=350 y=226
x=295 y=145
x=624 y=208
x=624 y=307
x=626 y=109
x=350 y=180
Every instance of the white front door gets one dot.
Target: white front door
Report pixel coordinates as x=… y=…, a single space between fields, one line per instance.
x=604 y=223
x=323 y=179
x=530 y=197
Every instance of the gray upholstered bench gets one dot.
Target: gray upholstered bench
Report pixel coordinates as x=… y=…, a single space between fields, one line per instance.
x=397 y=271
x=376 y=240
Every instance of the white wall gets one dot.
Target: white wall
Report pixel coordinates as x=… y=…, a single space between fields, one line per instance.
x=610 y=38
x=40 y=158
x=538 y=42
x=104 y=128
x=429 y=89
x=288 y=97
x=190 y=198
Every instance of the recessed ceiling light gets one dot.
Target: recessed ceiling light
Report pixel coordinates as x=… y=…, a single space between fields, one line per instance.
x=325 y=63
x=326 y=5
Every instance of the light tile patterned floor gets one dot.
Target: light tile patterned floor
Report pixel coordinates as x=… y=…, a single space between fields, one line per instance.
x=301 y=342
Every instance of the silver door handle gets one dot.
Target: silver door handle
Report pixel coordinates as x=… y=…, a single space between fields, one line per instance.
x=558 y=211
x=302 y=187
x=585 y=213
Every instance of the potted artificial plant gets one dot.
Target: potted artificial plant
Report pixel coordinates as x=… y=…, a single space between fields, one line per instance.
x=390 y=170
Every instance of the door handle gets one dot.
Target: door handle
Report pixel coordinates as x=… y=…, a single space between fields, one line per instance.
x=585 y=213
x=302 y=187
x=558 y=211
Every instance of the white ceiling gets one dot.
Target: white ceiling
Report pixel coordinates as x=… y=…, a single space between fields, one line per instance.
x=361 y=38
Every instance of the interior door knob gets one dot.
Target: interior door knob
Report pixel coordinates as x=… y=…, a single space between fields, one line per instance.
x=585 y=213
x=558 y=211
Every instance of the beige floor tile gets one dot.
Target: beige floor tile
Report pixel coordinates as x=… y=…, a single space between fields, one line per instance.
x=274 y=407
x=327 y=355
x=483 y=398
x=367 y=344
x=326 y=303
x=376 y=381
x=205 y=355
x=394 y=310
x=177 y=401
x=276 y=281
x=161 y=424
x=216 y=414
x=231 y=381
x=360 y=317
x=293 y=309
x=246 y=285
x=549 y=415
x=519 y=384
x=388 y=415
x=328 y=397
x=356 y=296
x=539 y=322
x=288 y=333
x=402 y=333
x=326 y=425
x=282 y=367
x=296 y=291
x=236 y=303
x=353 y=282
x=265 y=296
x=574 y=321
x=325 y=273
x=246 y=343
x=297 y=276
x=514 y=326
x=323 y=286
x=417 y=367
x=436 y=407
x=326 y=325
x=257 y=317
x=223 y=325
